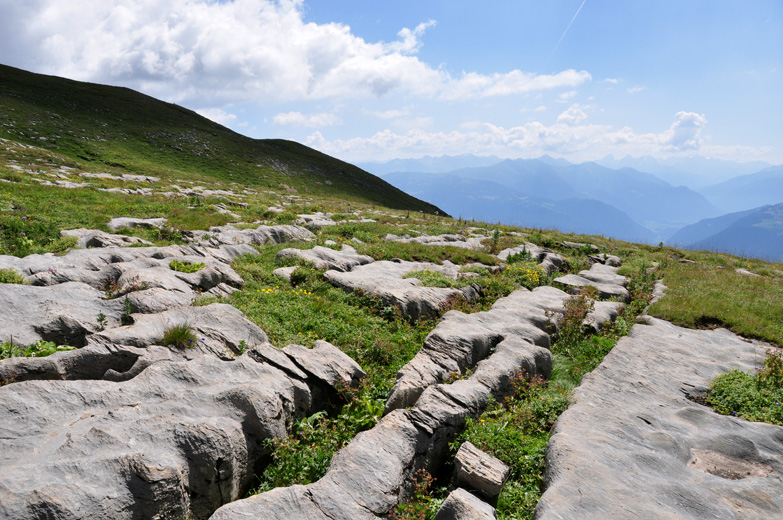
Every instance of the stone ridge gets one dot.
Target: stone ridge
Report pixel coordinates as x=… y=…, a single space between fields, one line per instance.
x=632 y=445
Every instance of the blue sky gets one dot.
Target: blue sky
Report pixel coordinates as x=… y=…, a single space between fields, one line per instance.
x=366 y=80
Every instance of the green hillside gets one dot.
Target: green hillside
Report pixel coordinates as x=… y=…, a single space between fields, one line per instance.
x=107 y=128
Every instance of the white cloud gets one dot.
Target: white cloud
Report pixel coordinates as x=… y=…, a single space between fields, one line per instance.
x=310 y=121
x=613 y=81
x=211 y=52
x=634 y=90
x=568 y=137
x=573 y=116
x=685 y=132
x=218 y=115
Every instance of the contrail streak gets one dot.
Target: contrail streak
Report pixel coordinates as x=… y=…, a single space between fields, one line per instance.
x=566 y=29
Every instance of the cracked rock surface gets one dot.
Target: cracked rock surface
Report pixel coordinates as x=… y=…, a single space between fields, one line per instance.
x=632 y=445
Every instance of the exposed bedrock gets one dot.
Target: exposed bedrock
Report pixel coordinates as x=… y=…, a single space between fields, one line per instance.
x=632 y=445
x=473 y=242
x=547 y=258
x=324 y=258
x=230 y=235
x=376 y=470
x=604 y=278
x=385 y=280
x=461 y=340
x=182 y=437
x=95 y=238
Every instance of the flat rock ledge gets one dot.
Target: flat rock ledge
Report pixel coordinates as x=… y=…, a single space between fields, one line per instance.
x=603 y=278
x=384 y=280
x=632 y=445
x=324 y=258
x=465 y=242
x=547 y=258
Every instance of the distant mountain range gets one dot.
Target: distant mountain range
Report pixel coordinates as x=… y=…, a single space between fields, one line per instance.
x=748 y=191
x=756 y=233
x=583 y=198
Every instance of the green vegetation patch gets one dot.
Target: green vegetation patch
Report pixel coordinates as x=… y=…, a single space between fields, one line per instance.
x=704 y=295
x=10 y=275
x=430 y=278
x=181 y=336
x=39 y=349
x=754 y=397
x=186 y=267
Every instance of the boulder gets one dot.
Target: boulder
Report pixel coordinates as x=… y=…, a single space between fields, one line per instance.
x=461 y=505
x=632 y=444
x=603 y=278
x=479 y=472
x=606 y=259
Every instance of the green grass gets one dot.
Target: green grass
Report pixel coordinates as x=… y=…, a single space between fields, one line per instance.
x=704 y=295
x=186 y=267
x=435 y=279
x=754 y=397
x=39 y=349
x=180 y=336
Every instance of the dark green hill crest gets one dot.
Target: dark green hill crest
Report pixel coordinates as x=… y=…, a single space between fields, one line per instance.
x=119 y=128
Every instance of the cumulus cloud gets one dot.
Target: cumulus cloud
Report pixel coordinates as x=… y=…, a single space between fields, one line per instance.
x=311 y=121
x=570 y=136
x=685 y=132
x=205 y=52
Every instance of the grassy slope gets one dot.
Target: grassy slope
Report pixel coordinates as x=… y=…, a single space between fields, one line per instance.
x=112 y=128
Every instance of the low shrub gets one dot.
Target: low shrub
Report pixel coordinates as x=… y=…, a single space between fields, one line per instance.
x=755 y=397
x=39 y=349
x=185 y=266
x=11 y=276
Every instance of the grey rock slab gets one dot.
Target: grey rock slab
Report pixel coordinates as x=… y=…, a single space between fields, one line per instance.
x=461 y=340
x=219 y=328
x=385 y=280
x=182 y=438
x=65 y=314
x=580 y=245
x=285 y=272
x=479 y=472
x=94 y=238
x=315 y=221
x=230 y=235
x=326 y=258
x=129 y=222
x=452 y=240
x=607 y=259
x=548 y=259
x=603 y=278
x=327 y=363
x=462 y=505
x=632 y=445
x=376 y=471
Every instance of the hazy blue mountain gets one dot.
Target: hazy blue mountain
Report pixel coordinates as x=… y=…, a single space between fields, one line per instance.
x=646 y=199
x=759 y=233
x=693 y=172
x=706 y=228
x=748 y=191
x=490 y=201
x=428 y=163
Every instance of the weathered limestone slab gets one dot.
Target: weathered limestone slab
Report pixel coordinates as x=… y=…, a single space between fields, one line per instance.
x=547 y=258
x=479 y=472
x=326 y=258
x=230 y=235
x=460 y=340
x=441 y=240
x=604 y=278
x=385 y=280
x=95 y=238
x=376 y=470
x=607 y=259
x=632 y=445
x=315 y=221
x=181 y=438
x=462 y=505
x=327 y=363
x=129 y=222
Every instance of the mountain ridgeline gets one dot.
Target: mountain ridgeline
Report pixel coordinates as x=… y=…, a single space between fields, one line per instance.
x=119 y=129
